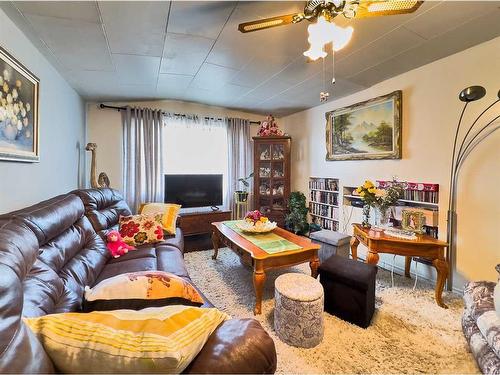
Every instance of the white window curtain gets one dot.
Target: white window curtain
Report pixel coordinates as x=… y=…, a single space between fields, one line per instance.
x=240 y=160
x=142 y=156
x=195 y=145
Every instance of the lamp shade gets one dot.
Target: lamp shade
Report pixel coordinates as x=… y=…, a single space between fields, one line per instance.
x=472 y=93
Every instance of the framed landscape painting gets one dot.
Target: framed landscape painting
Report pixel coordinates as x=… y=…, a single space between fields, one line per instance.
x=367 y=130
x=18 y=111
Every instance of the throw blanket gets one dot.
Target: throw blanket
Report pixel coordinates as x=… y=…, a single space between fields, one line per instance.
x=481 y=326
x=270 y=242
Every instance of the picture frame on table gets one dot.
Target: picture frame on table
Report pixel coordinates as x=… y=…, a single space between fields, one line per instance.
x=413 y=221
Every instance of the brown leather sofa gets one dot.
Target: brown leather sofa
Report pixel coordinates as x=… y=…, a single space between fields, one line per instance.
x=50 y=251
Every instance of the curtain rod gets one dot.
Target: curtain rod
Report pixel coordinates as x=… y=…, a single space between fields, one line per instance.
x=104 y=106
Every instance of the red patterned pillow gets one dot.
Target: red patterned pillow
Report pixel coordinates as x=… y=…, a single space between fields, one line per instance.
x=138 y=230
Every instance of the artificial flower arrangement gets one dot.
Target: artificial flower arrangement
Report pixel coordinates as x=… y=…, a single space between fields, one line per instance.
x=256 y=222
x=269 y=127
x=381 y=199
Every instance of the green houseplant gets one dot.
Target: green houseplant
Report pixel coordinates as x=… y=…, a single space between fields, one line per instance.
x=296 y=220
x=242 y=195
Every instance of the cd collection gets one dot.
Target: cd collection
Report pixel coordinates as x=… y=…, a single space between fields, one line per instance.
x=324 y=210
x=326 y=223
x=331 y=184
x=324 y=197
x=416 y=191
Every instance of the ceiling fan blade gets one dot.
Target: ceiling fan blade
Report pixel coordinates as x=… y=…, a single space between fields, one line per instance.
x=266 y=23
x=386 y=7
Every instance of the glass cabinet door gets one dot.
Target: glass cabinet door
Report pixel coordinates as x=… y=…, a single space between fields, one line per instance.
x=264 y=152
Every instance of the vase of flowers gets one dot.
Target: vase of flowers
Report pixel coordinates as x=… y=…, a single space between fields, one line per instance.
x=380 y=199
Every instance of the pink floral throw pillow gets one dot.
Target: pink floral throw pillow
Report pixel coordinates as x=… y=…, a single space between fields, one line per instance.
x=138 y=230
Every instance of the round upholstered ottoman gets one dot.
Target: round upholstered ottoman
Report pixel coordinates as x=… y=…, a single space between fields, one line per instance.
x=298 y=310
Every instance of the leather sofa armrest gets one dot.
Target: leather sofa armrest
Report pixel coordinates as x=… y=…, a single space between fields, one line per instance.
x=237 y=346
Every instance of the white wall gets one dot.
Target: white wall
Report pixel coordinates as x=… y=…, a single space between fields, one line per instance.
x=62 y=131
x=104 y=128
x=430 y=112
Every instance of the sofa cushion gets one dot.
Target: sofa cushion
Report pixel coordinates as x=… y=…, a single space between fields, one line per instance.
x=20 y=350
x=70 y=255
x=238 y=346
x=103 y=207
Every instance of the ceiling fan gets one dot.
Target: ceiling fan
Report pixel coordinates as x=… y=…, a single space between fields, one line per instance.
x=330 y=9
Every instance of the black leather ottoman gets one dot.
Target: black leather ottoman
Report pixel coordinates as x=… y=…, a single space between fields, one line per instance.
x=349 y=289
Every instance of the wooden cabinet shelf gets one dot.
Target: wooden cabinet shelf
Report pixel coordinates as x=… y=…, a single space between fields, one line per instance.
x=272 y=176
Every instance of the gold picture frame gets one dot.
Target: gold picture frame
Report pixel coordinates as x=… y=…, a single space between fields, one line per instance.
x=19 y=100
x=413 y=221
x=370 y=130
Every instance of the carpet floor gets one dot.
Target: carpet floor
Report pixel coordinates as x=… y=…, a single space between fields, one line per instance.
x=409 y=332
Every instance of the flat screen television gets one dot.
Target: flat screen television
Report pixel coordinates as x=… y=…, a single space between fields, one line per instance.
x=193 y=190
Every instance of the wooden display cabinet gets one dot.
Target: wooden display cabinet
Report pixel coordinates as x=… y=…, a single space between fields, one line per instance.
x=272 y=176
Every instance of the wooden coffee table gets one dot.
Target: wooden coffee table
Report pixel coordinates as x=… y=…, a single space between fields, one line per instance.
x=260 y=260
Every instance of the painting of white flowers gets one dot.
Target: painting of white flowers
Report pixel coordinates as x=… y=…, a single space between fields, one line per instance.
x=18 y=111
x=367 y=130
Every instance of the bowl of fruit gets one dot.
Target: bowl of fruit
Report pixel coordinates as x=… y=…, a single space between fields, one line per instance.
x=255 y=222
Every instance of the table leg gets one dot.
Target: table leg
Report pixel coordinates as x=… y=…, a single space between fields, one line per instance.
x=259 y=278
x=372 y=257
x=407 y=266
x=354 y=247
x=314 y=264
x=215 y=243
x=442 y=273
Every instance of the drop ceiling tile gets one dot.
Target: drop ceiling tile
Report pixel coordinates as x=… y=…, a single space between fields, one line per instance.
x=464 y=36
x=447 y=16
x=377 y=52
x=300 y=70
x=229 y=57
x=173 y=86
x=255 y=72
x=145 y=35
x=75 y=10
x=137 y=70
x=78 y=45
x=201 y=18
x=184 y=54
x=212 y=76
x=232 y=91
x=270 y=88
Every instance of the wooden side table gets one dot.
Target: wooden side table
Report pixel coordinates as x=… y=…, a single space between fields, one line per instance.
x=424 y=246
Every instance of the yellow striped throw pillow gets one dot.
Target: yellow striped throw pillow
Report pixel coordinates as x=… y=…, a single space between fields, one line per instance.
x=170 y=212
x=153 y=340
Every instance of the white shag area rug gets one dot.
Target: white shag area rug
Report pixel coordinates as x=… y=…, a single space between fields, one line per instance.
x=409 y=332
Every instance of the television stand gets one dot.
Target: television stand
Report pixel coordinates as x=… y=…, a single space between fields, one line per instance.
x=200 y=222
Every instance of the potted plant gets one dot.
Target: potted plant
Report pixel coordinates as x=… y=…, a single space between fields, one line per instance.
x=296 y=220
x=242 y=195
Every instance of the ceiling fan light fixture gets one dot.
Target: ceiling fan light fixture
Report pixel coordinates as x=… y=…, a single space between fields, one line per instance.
x=323 y=32
x=385 y=6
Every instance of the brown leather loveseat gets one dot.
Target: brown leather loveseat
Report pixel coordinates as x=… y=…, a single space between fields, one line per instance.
x=50 y=251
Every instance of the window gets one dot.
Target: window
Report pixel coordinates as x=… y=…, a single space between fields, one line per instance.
x=193 y=146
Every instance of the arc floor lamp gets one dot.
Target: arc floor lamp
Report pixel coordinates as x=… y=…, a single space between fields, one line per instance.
x=462 y=147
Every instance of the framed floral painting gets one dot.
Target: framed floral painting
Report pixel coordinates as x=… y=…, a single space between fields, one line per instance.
x=366 y=130
x=18 y=111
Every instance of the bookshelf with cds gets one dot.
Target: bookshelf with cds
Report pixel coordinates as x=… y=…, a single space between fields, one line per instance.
x=418 y=196
x=324 y=202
